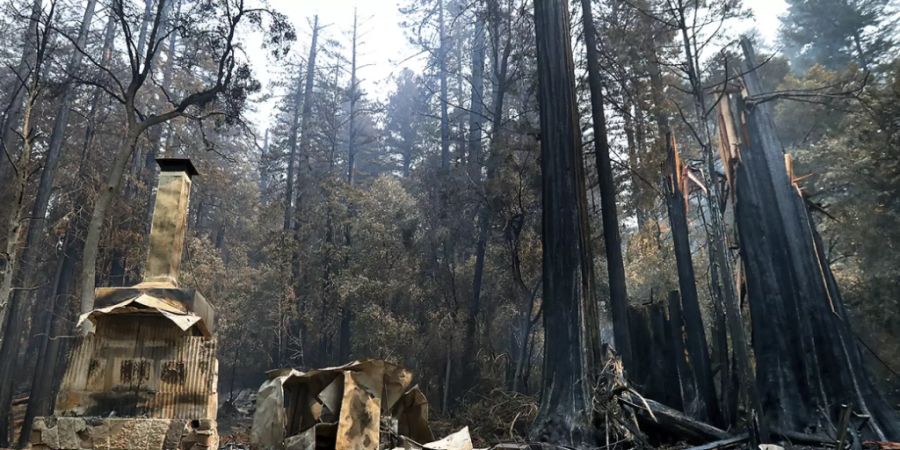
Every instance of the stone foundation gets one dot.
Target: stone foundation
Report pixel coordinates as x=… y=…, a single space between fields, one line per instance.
x=77 y=433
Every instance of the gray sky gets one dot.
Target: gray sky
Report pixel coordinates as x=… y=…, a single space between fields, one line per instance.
x=384 y=49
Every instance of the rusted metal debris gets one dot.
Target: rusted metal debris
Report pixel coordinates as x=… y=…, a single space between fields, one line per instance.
x=144 y=374
x=368 y=404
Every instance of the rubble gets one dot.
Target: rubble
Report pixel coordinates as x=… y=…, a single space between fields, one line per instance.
x=344 y=407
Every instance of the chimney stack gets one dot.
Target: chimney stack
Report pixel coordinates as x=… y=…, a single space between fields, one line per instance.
x=169 y=221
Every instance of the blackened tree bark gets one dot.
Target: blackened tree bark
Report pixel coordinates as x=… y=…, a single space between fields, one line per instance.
x=804 y=335
x=570 y=321
x=703 y=406
x=618 y=295
x=720 y=259
x=42 y=391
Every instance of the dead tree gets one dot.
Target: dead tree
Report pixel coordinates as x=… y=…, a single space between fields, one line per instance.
x=807 y=358
x=474 y=146
x=703 y=403
x=16 y=91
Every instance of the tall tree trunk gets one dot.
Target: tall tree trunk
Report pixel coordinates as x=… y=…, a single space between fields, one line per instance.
x=347 y=309
x=13 y=103
x=40 y=399
x=570 y=322
x=14 y=322
x=719 y=256
x=501 y=67
x=469 y=373
x=292 y=161
x=442 y=67
x=618 y=295
x=704 y=406
x=305 y=117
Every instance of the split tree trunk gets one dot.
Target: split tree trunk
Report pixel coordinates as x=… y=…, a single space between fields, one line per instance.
x=806 y=354
x=703 y=405
x=720 y=260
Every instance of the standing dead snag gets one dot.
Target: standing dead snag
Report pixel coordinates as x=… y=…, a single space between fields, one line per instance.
x=570 y=309
x=703 y=405
x=807 y=359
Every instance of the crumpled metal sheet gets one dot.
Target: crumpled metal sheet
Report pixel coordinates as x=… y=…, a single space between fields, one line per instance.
x=460 y=440
x=175 y=312
x=269 y=418
x=456 y=441
x=345 y=404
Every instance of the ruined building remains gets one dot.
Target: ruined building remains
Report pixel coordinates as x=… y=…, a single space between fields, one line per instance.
x=144 y=374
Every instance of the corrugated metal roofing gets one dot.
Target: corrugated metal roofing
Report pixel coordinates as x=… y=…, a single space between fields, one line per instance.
x=140 y=366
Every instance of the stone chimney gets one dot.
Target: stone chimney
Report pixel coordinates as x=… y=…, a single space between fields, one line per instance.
x=169 y=221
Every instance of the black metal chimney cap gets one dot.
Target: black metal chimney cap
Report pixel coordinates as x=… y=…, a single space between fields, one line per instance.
x=177 y=165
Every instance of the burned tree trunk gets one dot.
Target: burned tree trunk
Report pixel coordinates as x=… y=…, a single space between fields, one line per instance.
x=618 y=295
x=807 y=359
x=702 y=405
x=40 y=399
x=570 y=320
x=470 y=372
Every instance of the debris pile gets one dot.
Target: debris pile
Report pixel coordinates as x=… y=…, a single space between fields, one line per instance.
x=361 y=405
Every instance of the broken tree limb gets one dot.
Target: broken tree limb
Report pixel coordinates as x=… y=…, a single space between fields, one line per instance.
x=674 y=421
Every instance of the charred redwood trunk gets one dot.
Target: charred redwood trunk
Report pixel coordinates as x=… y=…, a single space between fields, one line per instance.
x=807 y=359
x=571 y=325
x=698 y=371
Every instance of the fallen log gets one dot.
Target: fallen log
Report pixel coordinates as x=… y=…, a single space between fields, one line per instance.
x=673 y=421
